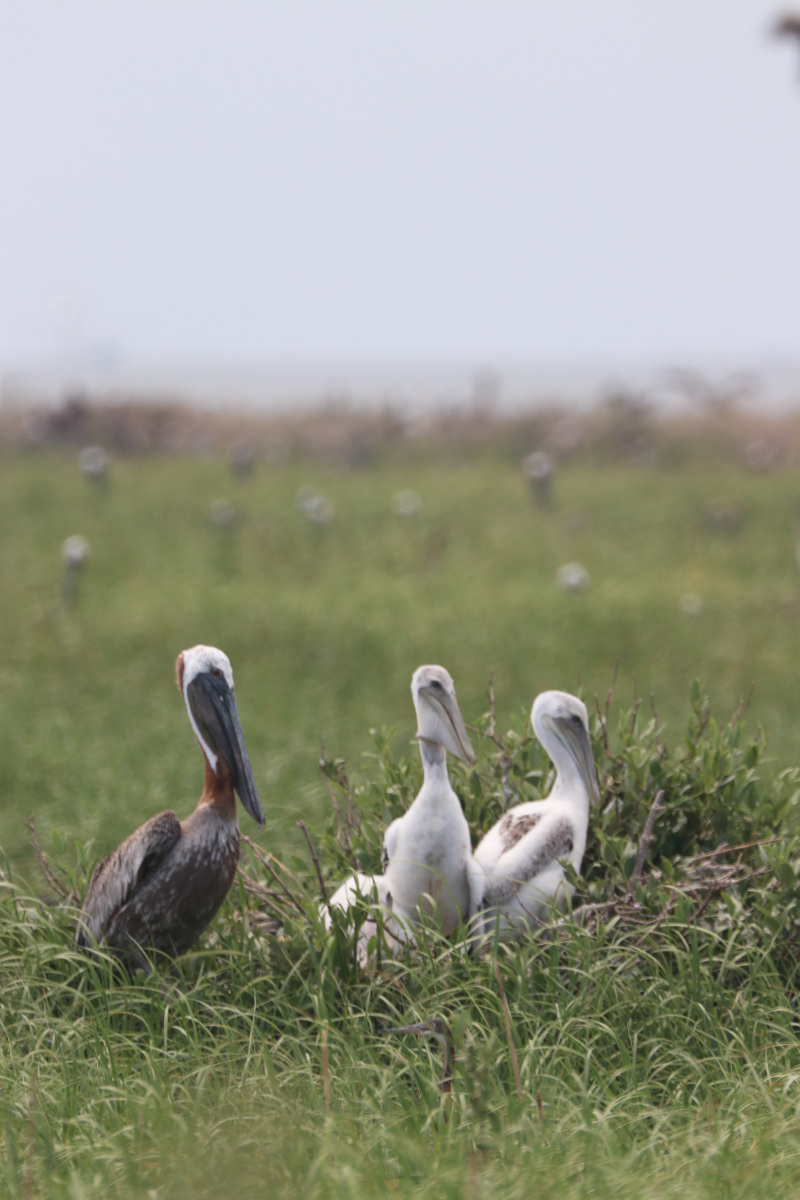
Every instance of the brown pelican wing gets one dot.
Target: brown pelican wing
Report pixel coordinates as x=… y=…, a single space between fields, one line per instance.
x=117 y=877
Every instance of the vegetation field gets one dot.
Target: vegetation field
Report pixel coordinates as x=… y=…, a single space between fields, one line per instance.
x=654 y=1054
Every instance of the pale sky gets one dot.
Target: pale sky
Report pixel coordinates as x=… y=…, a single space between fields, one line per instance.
x=526 y=181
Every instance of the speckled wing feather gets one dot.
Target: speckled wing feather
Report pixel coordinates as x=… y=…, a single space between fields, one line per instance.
x=549 y=839
x=118 y=877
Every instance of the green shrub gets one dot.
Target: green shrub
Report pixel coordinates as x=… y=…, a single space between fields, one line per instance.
x=652 y=1036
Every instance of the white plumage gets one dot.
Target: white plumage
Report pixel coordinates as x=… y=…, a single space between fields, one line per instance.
x=372 y=889
x=516 y=873
x=426 y=852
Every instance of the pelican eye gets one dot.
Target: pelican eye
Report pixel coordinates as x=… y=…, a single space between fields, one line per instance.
x=216 y=672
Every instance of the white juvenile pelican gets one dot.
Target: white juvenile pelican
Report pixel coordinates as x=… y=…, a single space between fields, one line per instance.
x=156 y=892
x=375 y=894
x=426 y=852
x=516 y=874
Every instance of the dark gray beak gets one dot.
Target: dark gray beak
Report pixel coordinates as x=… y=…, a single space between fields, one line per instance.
x=420 y=1027
x=573 y=735
x=217 y=715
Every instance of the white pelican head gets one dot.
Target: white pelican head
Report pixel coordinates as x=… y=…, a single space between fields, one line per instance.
x=206 y=680
x=561 y=723
x=438 y=717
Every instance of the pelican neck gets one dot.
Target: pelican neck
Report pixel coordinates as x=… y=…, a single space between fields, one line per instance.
x=569 y=783
x=434 y=759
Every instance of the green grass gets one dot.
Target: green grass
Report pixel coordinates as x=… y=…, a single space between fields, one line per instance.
x=324 y=626
x=670 y=1076
x=666 y=1069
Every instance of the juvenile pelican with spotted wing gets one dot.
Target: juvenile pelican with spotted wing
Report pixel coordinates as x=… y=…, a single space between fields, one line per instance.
x=157 y=892
x=516 y=874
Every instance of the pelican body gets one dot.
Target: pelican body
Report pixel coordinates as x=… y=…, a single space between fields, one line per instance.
x=157 y=892
x=374 y=893
x=516 y=874
x=426 y=852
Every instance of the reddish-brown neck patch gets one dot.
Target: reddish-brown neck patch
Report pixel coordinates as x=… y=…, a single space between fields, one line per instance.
x=218 y=789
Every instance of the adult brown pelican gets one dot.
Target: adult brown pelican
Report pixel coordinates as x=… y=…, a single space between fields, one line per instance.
x=426 y=852
x=156 y=892
x=516 y=874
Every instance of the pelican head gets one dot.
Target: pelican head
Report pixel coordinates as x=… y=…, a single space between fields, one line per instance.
x=438 y=716
x=435 y=1027
x=441 y=1031
x=206 y=680
x=561 y=721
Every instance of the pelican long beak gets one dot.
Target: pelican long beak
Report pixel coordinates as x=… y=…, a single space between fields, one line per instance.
x=215 y=710
x=571 y=732
x=420 y=1027
x=438 y=1029
x=447 y=726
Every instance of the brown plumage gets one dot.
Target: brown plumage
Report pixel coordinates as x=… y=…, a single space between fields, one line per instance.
x=512 y=827
x=157 y=892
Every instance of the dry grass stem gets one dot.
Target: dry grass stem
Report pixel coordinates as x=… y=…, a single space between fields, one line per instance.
x=264 y=860
x=63 y=892
x=343 y=824
x=512 y=1049
x=315 y=859
x=646 y=839
x=29 y=1178
x=326 y=1079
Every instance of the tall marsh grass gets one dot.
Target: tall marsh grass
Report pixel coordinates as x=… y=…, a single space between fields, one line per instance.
x=655 y=1036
